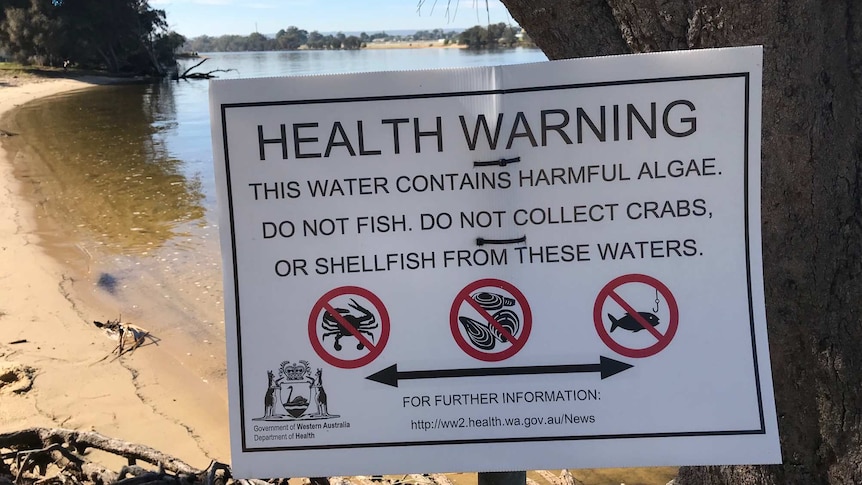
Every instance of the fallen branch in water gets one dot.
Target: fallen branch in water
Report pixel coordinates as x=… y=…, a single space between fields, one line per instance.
x=184 y=74
x=206 y=75
x=187 y=74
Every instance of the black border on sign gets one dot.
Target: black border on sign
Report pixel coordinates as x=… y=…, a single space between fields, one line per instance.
x=744 y=75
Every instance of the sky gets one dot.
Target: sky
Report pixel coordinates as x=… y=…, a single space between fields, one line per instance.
x=193 y=18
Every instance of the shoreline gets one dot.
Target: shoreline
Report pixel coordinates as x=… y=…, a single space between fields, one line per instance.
x=153 y=396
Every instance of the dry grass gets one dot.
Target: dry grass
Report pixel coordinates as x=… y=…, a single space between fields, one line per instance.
x=14 y=74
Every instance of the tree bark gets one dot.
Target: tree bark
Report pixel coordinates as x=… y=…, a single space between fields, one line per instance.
x=811 y=198
x=564 y=29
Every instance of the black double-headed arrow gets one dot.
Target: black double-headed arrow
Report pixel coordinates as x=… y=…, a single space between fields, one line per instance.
x=391 y=375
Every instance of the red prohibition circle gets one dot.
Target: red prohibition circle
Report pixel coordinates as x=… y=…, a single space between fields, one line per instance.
x=374 y=349
x=464 y=297
x=662 y=341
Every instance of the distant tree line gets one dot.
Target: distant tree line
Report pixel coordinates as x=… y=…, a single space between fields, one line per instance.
x=116 y=35
x=293 y=38
x=494 y=36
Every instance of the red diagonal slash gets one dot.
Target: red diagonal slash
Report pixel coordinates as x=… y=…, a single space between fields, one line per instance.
x=637 y=316
x=350 y=328
x=491 y=320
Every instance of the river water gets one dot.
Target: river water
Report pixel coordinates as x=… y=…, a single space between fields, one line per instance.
x=122 y=179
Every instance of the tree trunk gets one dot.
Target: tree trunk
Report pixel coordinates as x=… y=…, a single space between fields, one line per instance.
x=812 y=203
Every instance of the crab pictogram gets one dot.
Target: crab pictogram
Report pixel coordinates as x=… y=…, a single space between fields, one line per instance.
x=362 y=323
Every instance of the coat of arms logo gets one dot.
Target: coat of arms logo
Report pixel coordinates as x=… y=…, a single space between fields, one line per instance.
x=294 y=390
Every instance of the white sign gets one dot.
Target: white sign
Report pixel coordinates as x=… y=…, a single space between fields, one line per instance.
x=533 y=266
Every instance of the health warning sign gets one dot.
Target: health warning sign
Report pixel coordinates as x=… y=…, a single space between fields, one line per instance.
x=552 y=265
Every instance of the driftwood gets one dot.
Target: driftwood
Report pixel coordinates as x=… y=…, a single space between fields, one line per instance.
x=56 y=456
x=128 y=336
x=27 y=455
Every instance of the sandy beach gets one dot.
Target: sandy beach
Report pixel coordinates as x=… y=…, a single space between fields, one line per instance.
x=57 y=369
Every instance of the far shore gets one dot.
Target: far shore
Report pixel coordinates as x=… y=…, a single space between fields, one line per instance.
x=416 y=44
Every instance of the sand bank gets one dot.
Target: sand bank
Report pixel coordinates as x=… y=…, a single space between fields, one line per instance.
x=61 y=371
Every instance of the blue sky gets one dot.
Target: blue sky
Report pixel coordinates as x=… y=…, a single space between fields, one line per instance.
x=217 y=17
